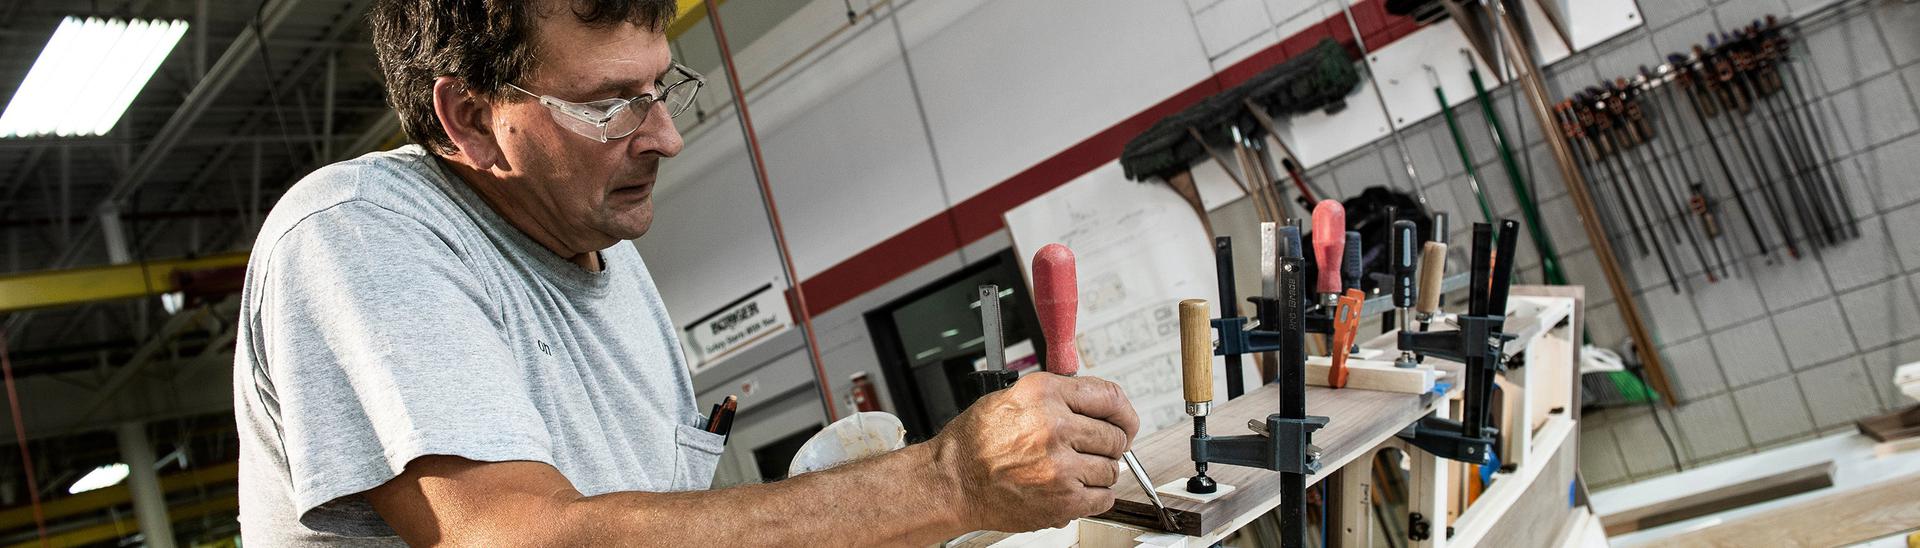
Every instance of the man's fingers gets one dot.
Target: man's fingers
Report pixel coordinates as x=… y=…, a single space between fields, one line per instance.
x=1090 y=470
x=1093 y=436
x=1094 y=501
x=1101 y=399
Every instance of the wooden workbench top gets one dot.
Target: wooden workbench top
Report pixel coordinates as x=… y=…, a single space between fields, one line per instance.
x=1360 y=420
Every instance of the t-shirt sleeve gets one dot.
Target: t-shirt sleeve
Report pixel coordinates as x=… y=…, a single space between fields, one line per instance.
x=381 y=347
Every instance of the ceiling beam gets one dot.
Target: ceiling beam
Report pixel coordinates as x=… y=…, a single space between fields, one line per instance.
x=358 y=45
x=232 y=64
x=53 y=288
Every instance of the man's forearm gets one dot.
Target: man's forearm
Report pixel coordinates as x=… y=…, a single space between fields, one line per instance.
x=1036 y=455
x=901 y=498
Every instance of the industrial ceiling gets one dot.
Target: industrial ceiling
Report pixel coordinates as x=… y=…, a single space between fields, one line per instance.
x=256 y=94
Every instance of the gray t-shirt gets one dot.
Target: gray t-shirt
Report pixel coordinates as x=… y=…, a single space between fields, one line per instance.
x=389 y=313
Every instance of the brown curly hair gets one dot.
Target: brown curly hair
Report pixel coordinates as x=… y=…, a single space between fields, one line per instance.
x=485 y=43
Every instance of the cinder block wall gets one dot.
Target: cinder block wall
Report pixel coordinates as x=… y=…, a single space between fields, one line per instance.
x=1783 y=352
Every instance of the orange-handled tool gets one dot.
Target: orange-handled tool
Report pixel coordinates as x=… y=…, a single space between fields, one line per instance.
x=1346 y=322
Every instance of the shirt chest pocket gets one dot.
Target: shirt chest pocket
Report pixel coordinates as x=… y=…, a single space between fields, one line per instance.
x=697 y=456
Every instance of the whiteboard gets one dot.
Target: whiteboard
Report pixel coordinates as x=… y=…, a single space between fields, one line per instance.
x=1140 y=251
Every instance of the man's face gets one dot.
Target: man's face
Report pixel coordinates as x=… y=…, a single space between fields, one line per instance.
x=579 y=190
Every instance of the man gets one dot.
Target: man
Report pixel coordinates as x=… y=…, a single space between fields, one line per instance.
x=451 y=343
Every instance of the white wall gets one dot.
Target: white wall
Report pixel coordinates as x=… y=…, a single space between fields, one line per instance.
x=1014 y=83
x=849 y=157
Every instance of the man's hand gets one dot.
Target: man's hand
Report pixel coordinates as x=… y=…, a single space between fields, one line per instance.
x=1038 y=454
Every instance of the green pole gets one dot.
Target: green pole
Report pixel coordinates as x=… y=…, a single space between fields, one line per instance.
x=1466 y=158
x=1542 y=243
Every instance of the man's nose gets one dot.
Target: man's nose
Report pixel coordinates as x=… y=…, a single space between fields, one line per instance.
x=657 y=134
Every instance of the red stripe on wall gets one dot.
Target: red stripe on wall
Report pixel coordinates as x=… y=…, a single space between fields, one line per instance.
x=979 y=216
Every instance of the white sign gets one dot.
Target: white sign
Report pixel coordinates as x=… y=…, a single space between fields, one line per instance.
x=737 y=326
x=1140 y=250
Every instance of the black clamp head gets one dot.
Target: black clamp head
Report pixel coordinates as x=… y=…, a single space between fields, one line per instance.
x=1283 y=445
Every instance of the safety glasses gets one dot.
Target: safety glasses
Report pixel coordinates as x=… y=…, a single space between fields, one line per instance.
x=609 y=119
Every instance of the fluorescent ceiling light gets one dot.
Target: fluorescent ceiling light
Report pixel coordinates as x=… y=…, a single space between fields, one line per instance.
x=87 y=75
x=100 y=478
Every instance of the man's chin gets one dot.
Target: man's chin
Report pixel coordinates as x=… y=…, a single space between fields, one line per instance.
x=632 y=224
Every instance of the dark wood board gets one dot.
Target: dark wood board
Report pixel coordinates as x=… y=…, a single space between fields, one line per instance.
x=1360 y=419
x=1853 y=515
x=1770 y=487
x=1900 y=424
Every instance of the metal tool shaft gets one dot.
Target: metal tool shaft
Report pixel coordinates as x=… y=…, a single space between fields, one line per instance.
x=990 y=328
x=1140 y=475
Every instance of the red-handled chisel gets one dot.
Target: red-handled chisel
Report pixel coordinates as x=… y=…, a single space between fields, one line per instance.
x=1329 y=248
x=1056 y=297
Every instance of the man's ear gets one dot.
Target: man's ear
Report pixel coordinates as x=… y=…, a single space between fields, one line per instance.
x=468 y=120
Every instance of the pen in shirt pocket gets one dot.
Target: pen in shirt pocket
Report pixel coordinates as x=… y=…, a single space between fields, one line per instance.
x=721 y=421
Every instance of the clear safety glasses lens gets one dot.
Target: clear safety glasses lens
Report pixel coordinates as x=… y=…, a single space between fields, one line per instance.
x=609 y=119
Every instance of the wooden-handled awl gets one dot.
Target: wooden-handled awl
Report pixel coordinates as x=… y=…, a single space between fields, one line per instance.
x=1056 y=298
x=1433 y=267
x=1196 y=379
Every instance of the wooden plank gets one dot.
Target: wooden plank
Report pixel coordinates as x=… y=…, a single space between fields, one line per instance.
x=1550 y=380
x=1888 y=449
x=1836 y=519
x=1527 y=507
x=1904 y=423
x=1577 y=325
x=1373 y=375
x=1762 y=489
x=1361 y=419
x=1512 y=444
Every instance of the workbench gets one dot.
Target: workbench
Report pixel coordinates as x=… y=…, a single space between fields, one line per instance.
x=1525 y=504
